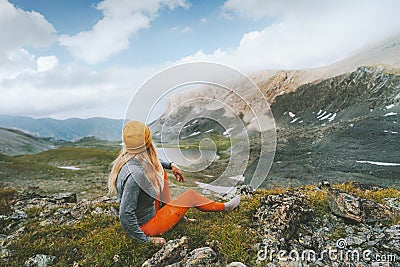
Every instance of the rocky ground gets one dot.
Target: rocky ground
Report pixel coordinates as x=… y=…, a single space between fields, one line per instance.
x=345 y=225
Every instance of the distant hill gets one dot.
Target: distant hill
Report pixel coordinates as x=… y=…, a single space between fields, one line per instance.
x=15 y=142
x=69 y=129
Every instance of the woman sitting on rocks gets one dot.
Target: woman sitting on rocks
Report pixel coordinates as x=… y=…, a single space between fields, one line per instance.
x=141 y=183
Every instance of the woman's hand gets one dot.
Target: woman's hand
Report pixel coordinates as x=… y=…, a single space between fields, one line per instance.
x=158 y=241
x=177 y=172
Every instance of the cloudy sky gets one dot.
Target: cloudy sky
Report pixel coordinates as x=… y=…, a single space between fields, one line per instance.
x=86 y=58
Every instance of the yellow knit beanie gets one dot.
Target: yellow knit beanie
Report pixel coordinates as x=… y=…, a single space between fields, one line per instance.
x=136 y=137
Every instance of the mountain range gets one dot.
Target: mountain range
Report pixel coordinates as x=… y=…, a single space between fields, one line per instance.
x=69 y=129
x=338 y=122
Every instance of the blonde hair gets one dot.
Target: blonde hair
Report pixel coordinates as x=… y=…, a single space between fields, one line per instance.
x=148 y=160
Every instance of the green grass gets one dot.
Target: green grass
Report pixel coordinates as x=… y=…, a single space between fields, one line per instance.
x=40 y=172
x=76 y=156
x=374 y=195
x=96 y=239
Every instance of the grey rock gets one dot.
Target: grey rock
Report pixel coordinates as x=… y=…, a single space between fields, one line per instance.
x=4 y=253
x=345 y=205
x=103 y=199
x=63 y=211
x=393 y=204
x=98 y=211
x=357 y=209
x=245 y=190
x=67 y=197
x=324 y=185
x=45 y=222
x=18 y=215
x=279 y=216
x=204 y=256
x=375 y=212
x=40 y=260
x=173 y=251
x=355 y=240
x=9 y=239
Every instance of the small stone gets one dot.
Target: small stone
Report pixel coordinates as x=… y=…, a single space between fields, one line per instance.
x=97 y=211
x=116 y=258
x=102 y=199
x=236 y=264
x=63 y=211
x=393 y=204
x=18 y=215
x=4 y=253
x=173 y=251
x=40 y=260
x=349 y=230
x=357 y=240
x=244 y=190
x=204 y=256
x=65 y=197
x=324 y=184
x=45 y=223
x=114 y=212
x=9 y=239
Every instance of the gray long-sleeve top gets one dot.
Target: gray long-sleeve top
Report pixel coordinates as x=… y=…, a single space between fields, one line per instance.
x=136 y=197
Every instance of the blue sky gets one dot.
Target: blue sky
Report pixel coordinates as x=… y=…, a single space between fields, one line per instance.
x=172 y=35
x=80 y=58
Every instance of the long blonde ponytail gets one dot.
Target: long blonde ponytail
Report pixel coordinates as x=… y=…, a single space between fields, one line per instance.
x=148 y=160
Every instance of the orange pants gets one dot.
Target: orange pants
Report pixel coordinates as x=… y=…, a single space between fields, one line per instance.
x=173 y=211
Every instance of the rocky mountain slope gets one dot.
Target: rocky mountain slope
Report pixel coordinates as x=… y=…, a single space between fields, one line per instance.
x=344 y=127
x=15 y=142
x=338 y=122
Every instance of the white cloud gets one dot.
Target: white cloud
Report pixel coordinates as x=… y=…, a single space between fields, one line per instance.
x=186 y=29
x=305 y=33
x=203 y=20
x=21 y=29
x=111 y=34
x=226 y=16
x=72 y=91
x=46 y=63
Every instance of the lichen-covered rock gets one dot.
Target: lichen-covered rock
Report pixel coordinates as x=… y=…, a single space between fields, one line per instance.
x=173 y=251
x=67 y=197
x=279 y=215
x=40 y=260
x=204 y=256
x=245 y=190
x=393 y=204
x=392 y=239
x=9 y=239
x=4 y=253
x=345 y=205
x=19 y=216
x=374 y=212
x=355 y=208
